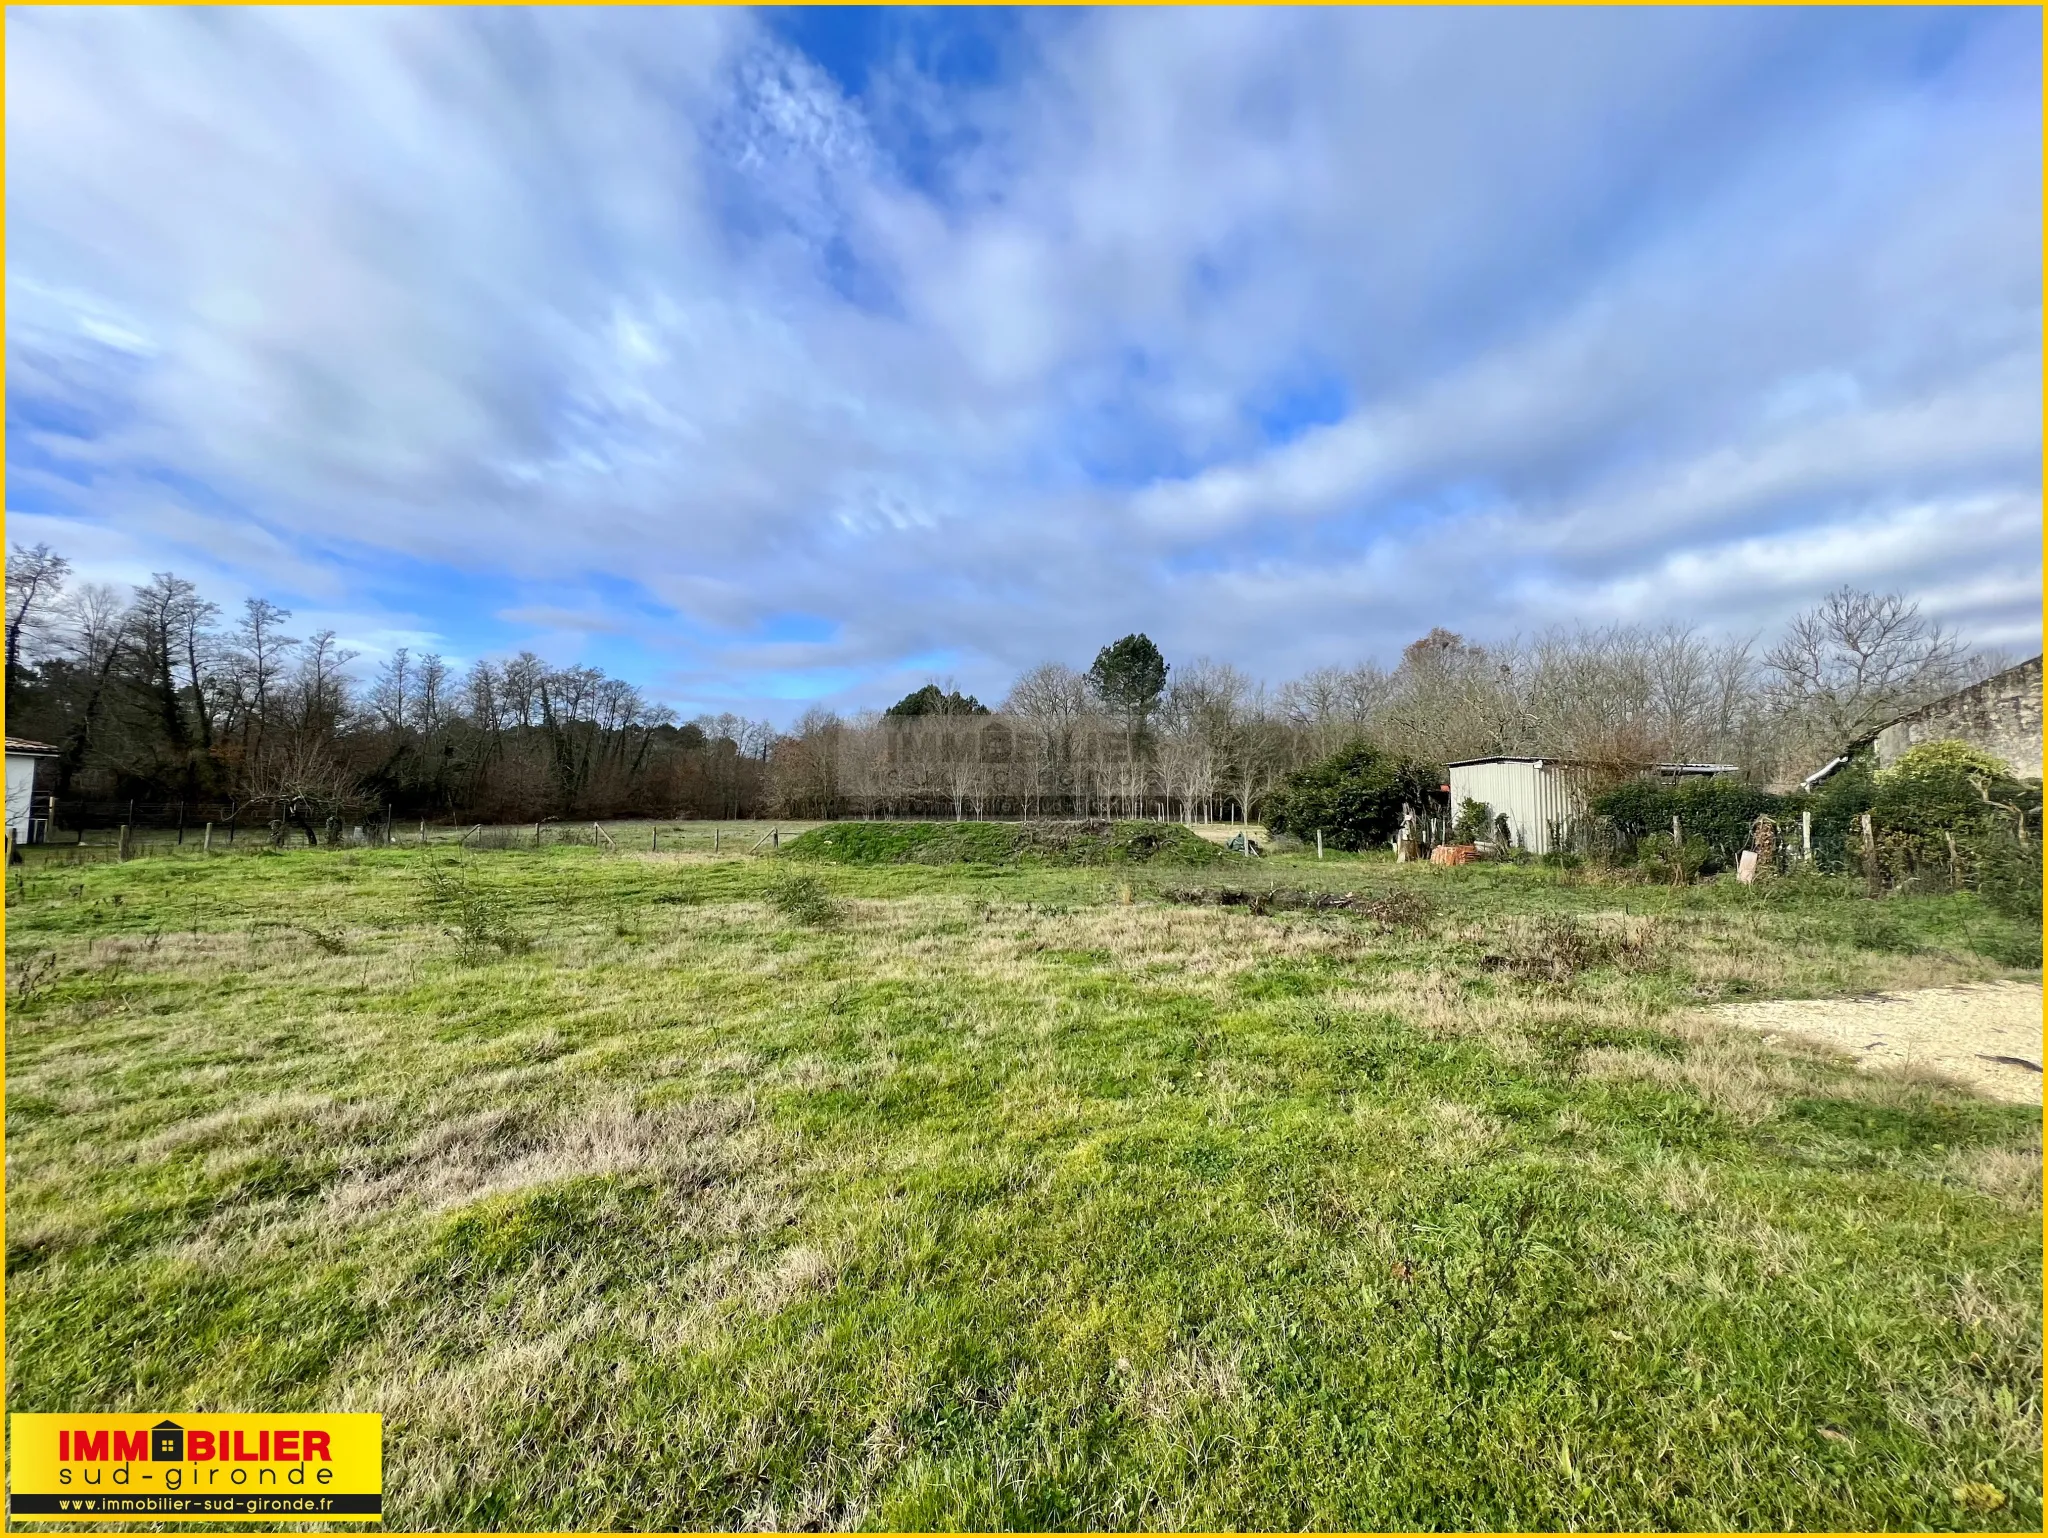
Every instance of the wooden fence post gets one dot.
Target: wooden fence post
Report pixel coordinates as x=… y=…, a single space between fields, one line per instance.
x=423 y=833
x=1806 y=836
x=1319 y=843
x=714 y=838
x=122 y=853
x=656 y=848
x=1870 y=872
x=1677 y=831
x=206 y=840
x=536 y=835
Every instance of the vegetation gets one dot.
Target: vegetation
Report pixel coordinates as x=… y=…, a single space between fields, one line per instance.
x=996 y=843
x=1024 y=1194
x=1720 y=814
x=153 y=699
x=932 y=701
x=1353 y=798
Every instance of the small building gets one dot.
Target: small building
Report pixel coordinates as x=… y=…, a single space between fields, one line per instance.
x=22 y=758
x=1542 y=798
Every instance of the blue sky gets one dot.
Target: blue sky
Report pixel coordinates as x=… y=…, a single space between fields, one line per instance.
x=775 y=356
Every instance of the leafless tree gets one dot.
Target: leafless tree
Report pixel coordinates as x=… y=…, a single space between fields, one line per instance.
x=1858 y=660
x=35 y=583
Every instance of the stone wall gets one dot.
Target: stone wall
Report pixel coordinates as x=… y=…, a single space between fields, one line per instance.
x=2002 y=715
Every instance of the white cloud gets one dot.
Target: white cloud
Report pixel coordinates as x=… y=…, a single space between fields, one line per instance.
x=1609 y=303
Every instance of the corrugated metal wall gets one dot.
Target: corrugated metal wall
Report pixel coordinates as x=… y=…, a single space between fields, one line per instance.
x=1533 y=797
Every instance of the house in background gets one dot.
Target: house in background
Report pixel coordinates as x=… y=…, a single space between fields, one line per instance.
x=22 y=758
x=1542 y=797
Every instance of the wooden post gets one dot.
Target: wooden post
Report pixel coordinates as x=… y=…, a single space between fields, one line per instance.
x=715 y=831
x=206 y=840
x=775 y=838
x=657 y=840
x=1806 y=837
x=122 y=846
x=1870 y=874
x=423 y=833
x=181 y=822
x=1677 y=831
x=536 y=835
x=1951 y=860
x=1319 y=843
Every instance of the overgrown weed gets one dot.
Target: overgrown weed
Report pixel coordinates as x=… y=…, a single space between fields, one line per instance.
x=475 y=920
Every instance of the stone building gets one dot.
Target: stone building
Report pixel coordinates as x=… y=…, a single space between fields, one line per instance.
x=2001 y=715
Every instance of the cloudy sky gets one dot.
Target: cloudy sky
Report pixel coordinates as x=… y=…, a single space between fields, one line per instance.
x=766 y=357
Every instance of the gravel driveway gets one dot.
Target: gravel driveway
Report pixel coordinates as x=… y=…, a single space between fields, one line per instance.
x=1988 y=1035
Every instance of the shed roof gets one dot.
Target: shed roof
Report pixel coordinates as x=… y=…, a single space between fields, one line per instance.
x=1516 y=758
x=32 y=748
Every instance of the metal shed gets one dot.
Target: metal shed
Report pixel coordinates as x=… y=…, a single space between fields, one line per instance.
x=1542 y=797
x=1536 y=795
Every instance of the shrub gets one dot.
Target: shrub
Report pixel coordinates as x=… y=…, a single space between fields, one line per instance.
x=475 y=920
x=1719 y=813
x=1354 y=797
x=2009 y=875
x=1475 y=822
x=803 y=899
x=1660 y=855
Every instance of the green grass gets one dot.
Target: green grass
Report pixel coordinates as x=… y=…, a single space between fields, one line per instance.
x=666 y=1191
x=996 y=843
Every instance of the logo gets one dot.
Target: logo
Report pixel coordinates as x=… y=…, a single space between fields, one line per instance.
x=197 y=1468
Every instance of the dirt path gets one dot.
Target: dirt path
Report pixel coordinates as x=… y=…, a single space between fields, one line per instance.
x=1970 y=1033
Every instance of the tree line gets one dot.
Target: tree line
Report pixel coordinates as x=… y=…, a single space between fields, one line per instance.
x=156 y=695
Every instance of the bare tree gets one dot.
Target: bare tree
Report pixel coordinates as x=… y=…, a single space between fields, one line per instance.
x=1858 y=660
x=35 y=583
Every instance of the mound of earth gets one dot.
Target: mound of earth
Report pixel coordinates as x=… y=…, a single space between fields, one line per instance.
x=1080 y=842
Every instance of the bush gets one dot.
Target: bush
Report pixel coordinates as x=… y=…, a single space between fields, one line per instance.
x=1354 y=797
x=1661 y=856
x=1475 y=822
x=1720 y=814
x=476 y=922
x=2009 y=875
x=803 y=899
x=1946 y=792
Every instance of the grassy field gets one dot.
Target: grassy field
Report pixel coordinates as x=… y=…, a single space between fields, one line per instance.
x=646 y=1191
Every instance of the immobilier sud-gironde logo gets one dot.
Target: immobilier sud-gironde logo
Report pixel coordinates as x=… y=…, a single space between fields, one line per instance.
x=270 y=1468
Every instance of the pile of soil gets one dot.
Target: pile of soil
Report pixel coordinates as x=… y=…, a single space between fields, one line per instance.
x=1080 y=841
